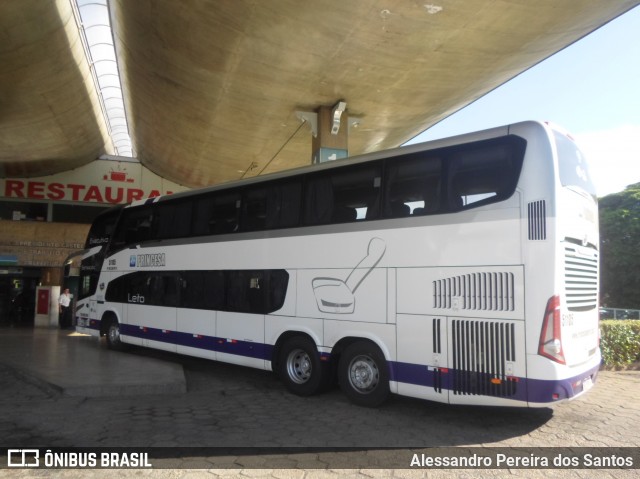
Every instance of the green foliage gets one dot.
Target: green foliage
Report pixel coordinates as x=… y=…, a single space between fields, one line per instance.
x=620 y=342
x=620 y=248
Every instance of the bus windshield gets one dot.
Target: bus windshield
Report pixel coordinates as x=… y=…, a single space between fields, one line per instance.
x=99 y=235
x=102 y=228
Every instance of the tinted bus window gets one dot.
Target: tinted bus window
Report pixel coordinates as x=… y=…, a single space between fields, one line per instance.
x=102 y=229
x=99 y=235
x=413 y=186
x=202 y=290
x=148 y=288
x=343 y=195
x=217 y=213
x=172 y=219
x=134 y=226
x=485 y=173
x=239 y=291
x=272 y=206
x=257 y=291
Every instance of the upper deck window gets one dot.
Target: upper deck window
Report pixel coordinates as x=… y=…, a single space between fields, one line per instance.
x=417 y=183
x=486 y=173
x=413 y=186
x=217 y=213
x=343 y=195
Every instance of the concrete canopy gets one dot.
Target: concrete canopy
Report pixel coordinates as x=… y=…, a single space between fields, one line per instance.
x=211 y=87
x=49 y=117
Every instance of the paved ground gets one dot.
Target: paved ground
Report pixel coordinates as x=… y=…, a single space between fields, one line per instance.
x=232 y=407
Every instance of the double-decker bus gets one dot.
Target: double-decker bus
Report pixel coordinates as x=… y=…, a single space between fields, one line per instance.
x=463 y=270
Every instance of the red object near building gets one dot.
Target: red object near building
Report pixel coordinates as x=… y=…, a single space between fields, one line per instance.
x=42 y=306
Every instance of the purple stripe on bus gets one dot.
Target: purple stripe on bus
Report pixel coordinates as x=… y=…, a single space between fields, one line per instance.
x=528 y=390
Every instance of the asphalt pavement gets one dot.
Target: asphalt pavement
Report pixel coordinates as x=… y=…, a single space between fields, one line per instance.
x=61 y=390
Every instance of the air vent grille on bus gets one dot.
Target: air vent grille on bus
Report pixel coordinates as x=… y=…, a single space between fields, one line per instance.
x=481 y=351
x=437 y=349
x=475 y=291
x=581 y=278
x=537 y=220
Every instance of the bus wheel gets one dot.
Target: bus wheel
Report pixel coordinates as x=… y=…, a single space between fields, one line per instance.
x=113 y=335
x=363 y=374
x=299 y=366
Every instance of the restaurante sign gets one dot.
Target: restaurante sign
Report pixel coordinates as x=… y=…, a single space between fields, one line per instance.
x=102 y=181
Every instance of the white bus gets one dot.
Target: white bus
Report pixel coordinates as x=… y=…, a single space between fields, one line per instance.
x=462 y=270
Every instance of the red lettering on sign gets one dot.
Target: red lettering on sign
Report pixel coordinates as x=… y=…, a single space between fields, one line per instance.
x=56 y=191
x=93 y=195
x=42 y=190
x=110 y=198
x=75 y=196
x=35 y=189
x=134 y=194
x=13 y=187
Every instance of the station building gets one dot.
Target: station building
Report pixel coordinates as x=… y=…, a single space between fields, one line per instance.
x=43 y=225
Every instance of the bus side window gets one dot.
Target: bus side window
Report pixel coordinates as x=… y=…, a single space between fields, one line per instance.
x=278 y=282
x=217 y=214
x=254 y=209
x=256 y=291
x=283 y=205
x=318 y=201
x=172 y=220
x=118 y=288
x=202 y=290
x=485 y=174
x=137 y=288
x=170 y=290
x=271 y=207
x=134 y=227
x=237 y=283
x=412 y=186
x=343 y=195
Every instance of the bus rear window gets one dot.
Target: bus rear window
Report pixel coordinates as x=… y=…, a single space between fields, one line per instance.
x=572 y=165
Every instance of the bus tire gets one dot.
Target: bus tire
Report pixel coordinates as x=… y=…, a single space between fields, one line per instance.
x=363 y=374
x=299 y=366
x=113 y=335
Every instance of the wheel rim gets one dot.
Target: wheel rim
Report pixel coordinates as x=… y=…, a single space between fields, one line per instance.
x=114 y=333
x=364 y=374
x=299 y=366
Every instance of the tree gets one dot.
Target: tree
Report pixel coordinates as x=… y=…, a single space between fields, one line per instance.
x=620 y=248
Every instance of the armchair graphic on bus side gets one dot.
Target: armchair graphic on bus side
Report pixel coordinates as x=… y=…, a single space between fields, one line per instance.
x=337 y=296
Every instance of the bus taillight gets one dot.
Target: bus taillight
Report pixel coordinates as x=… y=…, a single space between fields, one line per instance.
x=551 y=336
